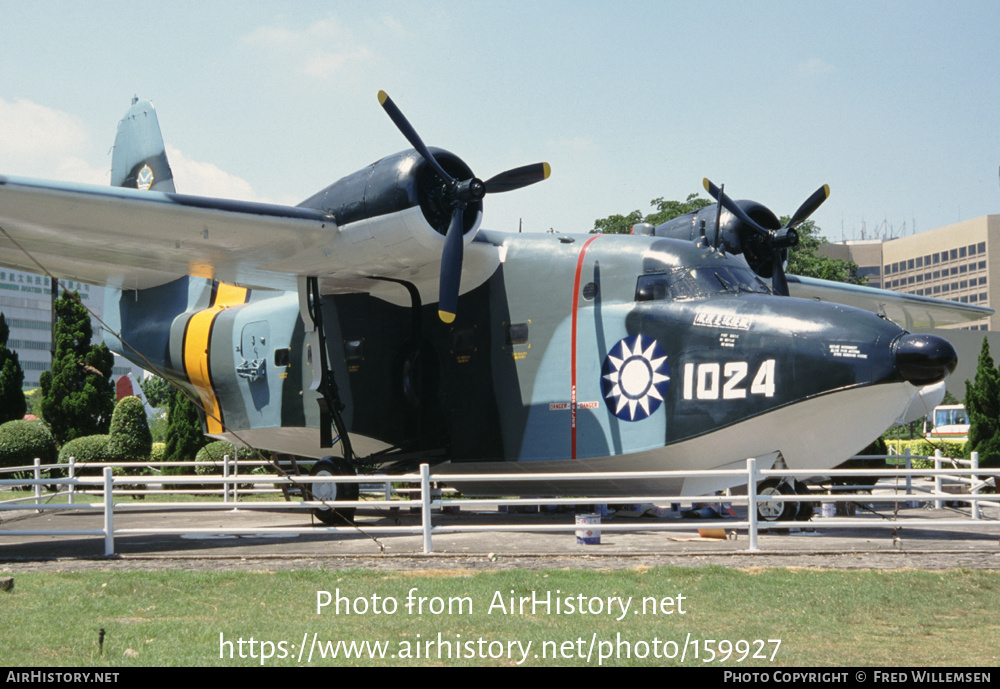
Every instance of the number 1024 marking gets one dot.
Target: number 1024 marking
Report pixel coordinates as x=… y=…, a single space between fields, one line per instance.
x=706 y=381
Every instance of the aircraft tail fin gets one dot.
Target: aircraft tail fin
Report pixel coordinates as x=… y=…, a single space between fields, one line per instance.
x=139 y=160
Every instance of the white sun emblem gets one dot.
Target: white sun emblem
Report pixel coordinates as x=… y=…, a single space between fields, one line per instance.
x=635 y=377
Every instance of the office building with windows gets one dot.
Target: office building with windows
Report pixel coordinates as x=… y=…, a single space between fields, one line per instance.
x=960 y=262
x=26 y=303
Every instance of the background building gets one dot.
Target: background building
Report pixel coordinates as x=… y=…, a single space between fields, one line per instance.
x=26 y=303
x=952 y=262
x=960 y=262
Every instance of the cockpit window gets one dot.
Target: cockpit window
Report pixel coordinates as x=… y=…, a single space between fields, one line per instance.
x=695 y=283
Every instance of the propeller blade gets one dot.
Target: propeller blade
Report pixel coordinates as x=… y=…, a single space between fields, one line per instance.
x=718 y=217
x=518 y=177
x=779 y=284
x=451 y=266
x=810 y=206
x=404 y=126
x=732 y=207
x=457 y=196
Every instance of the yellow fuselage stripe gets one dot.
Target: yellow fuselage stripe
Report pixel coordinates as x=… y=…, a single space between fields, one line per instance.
x=196 y=349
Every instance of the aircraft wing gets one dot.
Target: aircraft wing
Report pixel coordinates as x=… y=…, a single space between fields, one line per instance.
x=910 y=311
x=134 y=239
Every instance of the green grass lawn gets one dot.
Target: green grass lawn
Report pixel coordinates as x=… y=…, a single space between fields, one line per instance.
x=711 y=616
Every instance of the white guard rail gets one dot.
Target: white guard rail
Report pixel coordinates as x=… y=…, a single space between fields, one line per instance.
x=106 y=488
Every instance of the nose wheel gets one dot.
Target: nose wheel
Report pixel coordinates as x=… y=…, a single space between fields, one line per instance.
x=330 y=491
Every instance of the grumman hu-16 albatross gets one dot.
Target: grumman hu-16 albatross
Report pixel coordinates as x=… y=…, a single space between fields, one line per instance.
x=378 y=315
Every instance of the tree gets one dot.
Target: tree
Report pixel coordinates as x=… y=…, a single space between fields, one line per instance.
x=665 y=210
x=804 y=259
x=78 y=397
x=982 y=407
x=668 y=210
x=184 y=436
x=157 y=390
x=617 y=224
x=13 y=404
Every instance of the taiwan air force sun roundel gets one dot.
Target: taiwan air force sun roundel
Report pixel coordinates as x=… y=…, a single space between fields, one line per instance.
x=635 y=377
x=144 y=180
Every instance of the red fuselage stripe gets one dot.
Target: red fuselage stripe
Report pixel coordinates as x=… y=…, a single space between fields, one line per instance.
x=576 y=303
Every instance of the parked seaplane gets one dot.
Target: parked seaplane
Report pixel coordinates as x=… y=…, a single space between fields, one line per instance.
x=378 y=316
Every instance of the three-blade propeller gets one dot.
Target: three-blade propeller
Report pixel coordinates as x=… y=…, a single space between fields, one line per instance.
x=458 y=194
x=774 y=240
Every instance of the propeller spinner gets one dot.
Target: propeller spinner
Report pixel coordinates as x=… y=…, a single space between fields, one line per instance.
x=458 y=194
x=774 y=241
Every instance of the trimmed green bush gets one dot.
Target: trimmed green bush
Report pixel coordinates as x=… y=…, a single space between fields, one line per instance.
x=925 y=448
x=89 y=448
x=84 y=450
x=217 y=451
x=22 y=441
x=129 y=439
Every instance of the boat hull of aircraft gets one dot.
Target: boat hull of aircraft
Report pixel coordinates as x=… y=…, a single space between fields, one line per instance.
x=557 y=364
x=376 y=319
x=824 y=445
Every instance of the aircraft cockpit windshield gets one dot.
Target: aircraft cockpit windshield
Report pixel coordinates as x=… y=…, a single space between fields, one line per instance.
x=696 y=283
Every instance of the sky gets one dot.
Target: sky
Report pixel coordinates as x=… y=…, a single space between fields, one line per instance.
x=893 y=104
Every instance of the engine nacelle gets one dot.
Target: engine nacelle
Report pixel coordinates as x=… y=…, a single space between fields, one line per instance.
x=733 y=235
x=393 y=213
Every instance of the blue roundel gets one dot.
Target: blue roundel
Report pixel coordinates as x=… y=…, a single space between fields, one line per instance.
x=635 y=377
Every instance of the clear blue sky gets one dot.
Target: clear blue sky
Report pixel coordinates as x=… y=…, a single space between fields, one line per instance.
x=894 y=104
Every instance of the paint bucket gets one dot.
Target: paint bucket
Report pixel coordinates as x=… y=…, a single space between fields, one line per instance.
x=828 y=509
x=589 y=533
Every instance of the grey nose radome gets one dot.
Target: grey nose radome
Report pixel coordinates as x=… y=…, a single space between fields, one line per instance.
x=925 y=359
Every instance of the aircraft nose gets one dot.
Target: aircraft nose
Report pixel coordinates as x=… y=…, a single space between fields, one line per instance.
x=924 y=359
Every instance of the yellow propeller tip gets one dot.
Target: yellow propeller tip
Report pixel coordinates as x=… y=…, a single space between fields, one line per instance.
x=382 y=97
x=705 y=183
x=826 y=187
x=546 y=170
x=446 y=317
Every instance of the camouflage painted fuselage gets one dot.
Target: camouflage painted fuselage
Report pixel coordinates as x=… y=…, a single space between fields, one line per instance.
x=614 y=351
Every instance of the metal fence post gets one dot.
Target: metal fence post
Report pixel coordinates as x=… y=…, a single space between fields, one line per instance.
x=235 y=475
x=975 y=486
x=225 y=479
x=909 y=476
x=38 y=486
x=425 y=505
x=109 y=514
x=937 y=479
x=72 y=475
x=752 y=502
